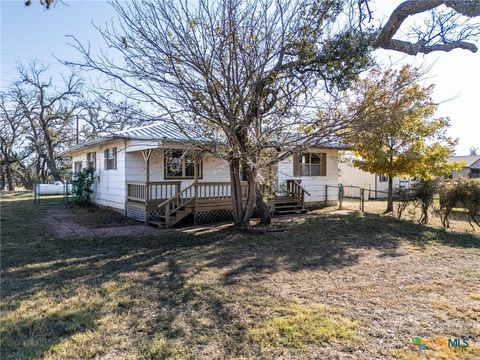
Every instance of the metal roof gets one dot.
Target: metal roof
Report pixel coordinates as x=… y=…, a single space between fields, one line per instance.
x=162 y=130
x=469 y=159
x=157 y=131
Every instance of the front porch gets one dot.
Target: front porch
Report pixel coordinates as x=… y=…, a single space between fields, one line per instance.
x=165 y=203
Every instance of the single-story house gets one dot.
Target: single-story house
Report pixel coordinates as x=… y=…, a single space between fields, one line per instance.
x=155 y=174
x=471 y=168
x=352 y=178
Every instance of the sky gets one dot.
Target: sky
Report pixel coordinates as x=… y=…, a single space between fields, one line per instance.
x=32 y=32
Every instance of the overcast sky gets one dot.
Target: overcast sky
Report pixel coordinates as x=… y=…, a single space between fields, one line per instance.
x=32 y=32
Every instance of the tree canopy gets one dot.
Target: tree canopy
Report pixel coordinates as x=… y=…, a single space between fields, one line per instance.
x=396 y=133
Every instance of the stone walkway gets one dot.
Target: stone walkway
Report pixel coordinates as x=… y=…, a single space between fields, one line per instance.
x=59 y=221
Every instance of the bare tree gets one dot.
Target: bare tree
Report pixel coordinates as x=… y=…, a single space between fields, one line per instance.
x=12 y=131
x=445 y=30
x=257 y=78
x=104 y=114
x=49 y=111
x=243 y=75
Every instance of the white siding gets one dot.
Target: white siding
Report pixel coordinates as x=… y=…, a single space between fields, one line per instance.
x=214 y=169
x=350 y=175
x=109 y=186
x=313 y=184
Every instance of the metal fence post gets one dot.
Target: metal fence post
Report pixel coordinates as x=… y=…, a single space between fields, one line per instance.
x=340 y=197
x=362 y=200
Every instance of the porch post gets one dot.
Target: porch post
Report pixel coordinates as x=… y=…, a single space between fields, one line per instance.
x=146 y=158
x=195 y=176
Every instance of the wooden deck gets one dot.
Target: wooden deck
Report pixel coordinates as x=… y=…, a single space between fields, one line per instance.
x=166 y=203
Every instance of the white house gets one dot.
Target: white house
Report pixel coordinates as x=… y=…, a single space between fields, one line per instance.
x=471 y=168
x=353 y=178
x=156 y=174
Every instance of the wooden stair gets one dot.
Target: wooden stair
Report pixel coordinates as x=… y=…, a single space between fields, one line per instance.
x=288 y=205
x=175 y=217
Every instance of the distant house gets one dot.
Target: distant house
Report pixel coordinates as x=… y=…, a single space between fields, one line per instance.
x=471 y=168
x=157 y=174
x=352 y=178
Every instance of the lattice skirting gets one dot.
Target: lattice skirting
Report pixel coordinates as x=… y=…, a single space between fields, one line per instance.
x=141 y=214
x=136 y=213
x=205 y=217
x=200 y=217
x=155 y=214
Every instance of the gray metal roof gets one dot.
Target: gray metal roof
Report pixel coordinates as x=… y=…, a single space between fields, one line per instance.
x=469 y=159
x=157 y=131
x=162 y=130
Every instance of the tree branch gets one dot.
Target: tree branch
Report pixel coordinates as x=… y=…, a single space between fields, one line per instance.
x=384 y=40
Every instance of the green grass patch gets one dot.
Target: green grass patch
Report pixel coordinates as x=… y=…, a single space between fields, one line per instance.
x=298 y=326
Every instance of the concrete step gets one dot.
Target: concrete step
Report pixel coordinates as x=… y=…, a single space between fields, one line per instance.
x=291 y=211
x=286 y=207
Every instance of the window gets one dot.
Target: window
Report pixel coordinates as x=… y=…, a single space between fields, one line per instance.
x=91 y=160
x=310 y=164
x=77 y=167
x=382 y=178
x=111 y=159
x=181 y=164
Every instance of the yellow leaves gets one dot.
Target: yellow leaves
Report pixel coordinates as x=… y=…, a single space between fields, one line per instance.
x=395 y=133
x=193 y=24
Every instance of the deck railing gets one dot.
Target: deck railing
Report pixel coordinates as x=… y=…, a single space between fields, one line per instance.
x=218 y=190
x=295 y=189
x=153 y=191
x=162 y=190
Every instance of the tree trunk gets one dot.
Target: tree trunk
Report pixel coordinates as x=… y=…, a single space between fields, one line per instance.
x=390 y=195
x=262 y=208
x=242 y=214
x=236 y=193
x=252 y=183
x=52 y=165
x=2 y=179
x=9 y=178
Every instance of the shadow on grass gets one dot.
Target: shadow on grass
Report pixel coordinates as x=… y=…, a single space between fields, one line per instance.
x=31 y=338
x=32 y=260
x=325 y=242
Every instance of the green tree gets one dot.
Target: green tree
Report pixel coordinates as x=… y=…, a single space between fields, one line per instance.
x=396 y=133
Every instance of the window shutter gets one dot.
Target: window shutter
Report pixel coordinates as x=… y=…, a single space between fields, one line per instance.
x=324 y=164
x=115 y=158
x=296 y=165
x=105 y=159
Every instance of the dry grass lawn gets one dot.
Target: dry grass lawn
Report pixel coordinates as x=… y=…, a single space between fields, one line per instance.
x=333 y=286
x=458 y=219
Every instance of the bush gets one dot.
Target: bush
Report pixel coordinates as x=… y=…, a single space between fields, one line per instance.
x=424 y=192
x=460 y=193
x=404 y=197
x=82 y=186
x=420 y=195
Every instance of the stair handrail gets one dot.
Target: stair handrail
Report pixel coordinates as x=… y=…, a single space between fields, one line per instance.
x=166 y=203
x=296 y=182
